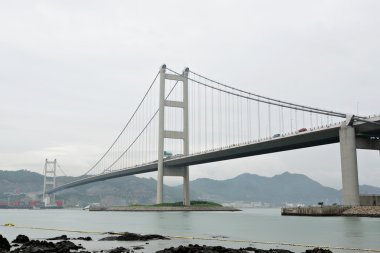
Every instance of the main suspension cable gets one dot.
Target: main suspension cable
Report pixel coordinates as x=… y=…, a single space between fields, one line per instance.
x=125 y=127
x=127 y=149
x=271 y=99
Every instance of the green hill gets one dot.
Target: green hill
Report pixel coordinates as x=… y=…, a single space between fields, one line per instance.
x=276 y=190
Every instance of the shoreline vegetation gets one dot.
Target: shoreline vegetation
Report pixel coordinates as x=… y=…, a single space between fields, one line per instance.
x=64 y=244
x=197 y=205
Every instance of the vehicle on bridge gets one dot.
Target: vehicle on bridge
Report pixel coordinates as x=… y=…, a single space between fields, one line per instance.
x=167 y=154
x=302 y=130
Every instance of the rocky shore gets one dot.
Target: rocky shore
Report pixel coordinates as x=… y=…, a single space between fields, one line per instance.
x=219 y=249
x=357 y=211
x=62 y=244
x=134 y=237
x=22 y=244
x=363 y=211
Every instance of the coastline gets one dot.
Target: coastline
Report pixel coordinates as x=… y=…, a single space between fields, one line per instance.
x=227 y=229
x=65 y=244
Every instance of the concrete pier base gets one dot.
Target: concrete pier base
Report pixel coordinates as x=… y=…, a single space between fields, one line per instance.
x=349 y=165
x=186 y=187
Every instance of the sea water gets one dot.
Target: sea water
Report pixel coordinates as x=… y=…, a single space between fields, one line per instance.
x=250 y=227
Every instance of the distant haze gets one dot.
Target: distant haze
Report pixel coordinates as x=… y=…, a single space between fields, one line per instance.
x=72 y=72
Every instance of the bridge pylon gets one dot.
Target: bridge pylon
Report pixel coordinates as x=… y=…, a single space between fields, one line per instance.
x=167 y=134
x=349 y=164
x=50 y=170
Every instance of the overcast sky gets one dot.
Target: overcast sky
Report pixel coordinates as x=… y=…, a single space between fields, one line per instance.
x=72 y=72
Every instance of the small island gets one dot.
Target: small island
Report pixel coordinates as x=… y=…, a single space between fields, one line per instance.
x=196 y=205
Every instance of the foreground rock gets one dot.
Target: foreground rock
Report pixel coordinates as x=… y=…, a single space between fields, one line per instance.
x=134 y=237
x=62 y=237
x=65 y=246
x=4 y=244
x=119 y=250
x=65 y=238
x=87 y=238
x=45 y=246
x=318 y=250
x=21 y=239
x=219 y=249
x=201 y=249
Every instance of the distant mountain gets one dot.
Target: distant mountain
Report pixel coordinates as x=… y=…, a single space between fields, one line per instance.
x=118 y=191
x=276 y=190
x=368 y=189
x=22 y=180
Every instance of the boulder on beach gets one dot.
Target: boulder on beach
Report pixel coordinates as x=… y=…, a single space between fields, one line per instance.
x=45 y=246
x=37 y=246
x=68 y=245
x=4 y=244
x=21 y=239
x=318 y=250
x=87 y=238
x=218 y=249
x=62 y=237
x=65 y=238
x=201 y=249
x=134 y=237
x=119 y=250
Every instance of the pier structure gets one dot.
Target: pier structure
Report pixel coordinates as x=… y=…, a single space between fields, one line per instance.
x=349 y=143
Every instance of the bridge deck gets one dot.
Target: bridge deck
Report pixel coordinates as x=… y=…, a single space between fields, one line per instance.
x=323 y=136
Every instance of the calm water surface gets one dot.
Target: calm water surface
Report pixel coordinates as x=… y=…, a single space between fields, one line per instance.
x=250 y=224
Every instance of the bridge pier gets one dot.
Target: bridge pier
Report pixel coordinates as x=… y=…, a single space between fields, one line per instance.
x=349 y=165
x=186 y=187
x=165 y=134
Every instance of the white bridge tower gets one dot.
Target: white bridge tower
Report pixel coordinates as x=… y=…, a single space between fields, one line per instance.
x=50 y=169
x=165 y=134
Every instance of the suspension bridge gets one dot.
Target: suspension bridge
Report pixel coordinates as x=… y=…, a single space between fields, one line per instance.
x=187 y=119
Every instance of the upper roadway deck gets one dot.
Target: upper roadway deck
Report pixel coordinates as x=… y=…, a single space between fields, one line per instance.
x=310 y=138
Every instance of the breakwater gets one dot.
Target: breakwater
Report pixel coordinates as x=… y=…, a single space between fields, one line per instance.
x=315 y=211
x=359 y=211
x=363 y=211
